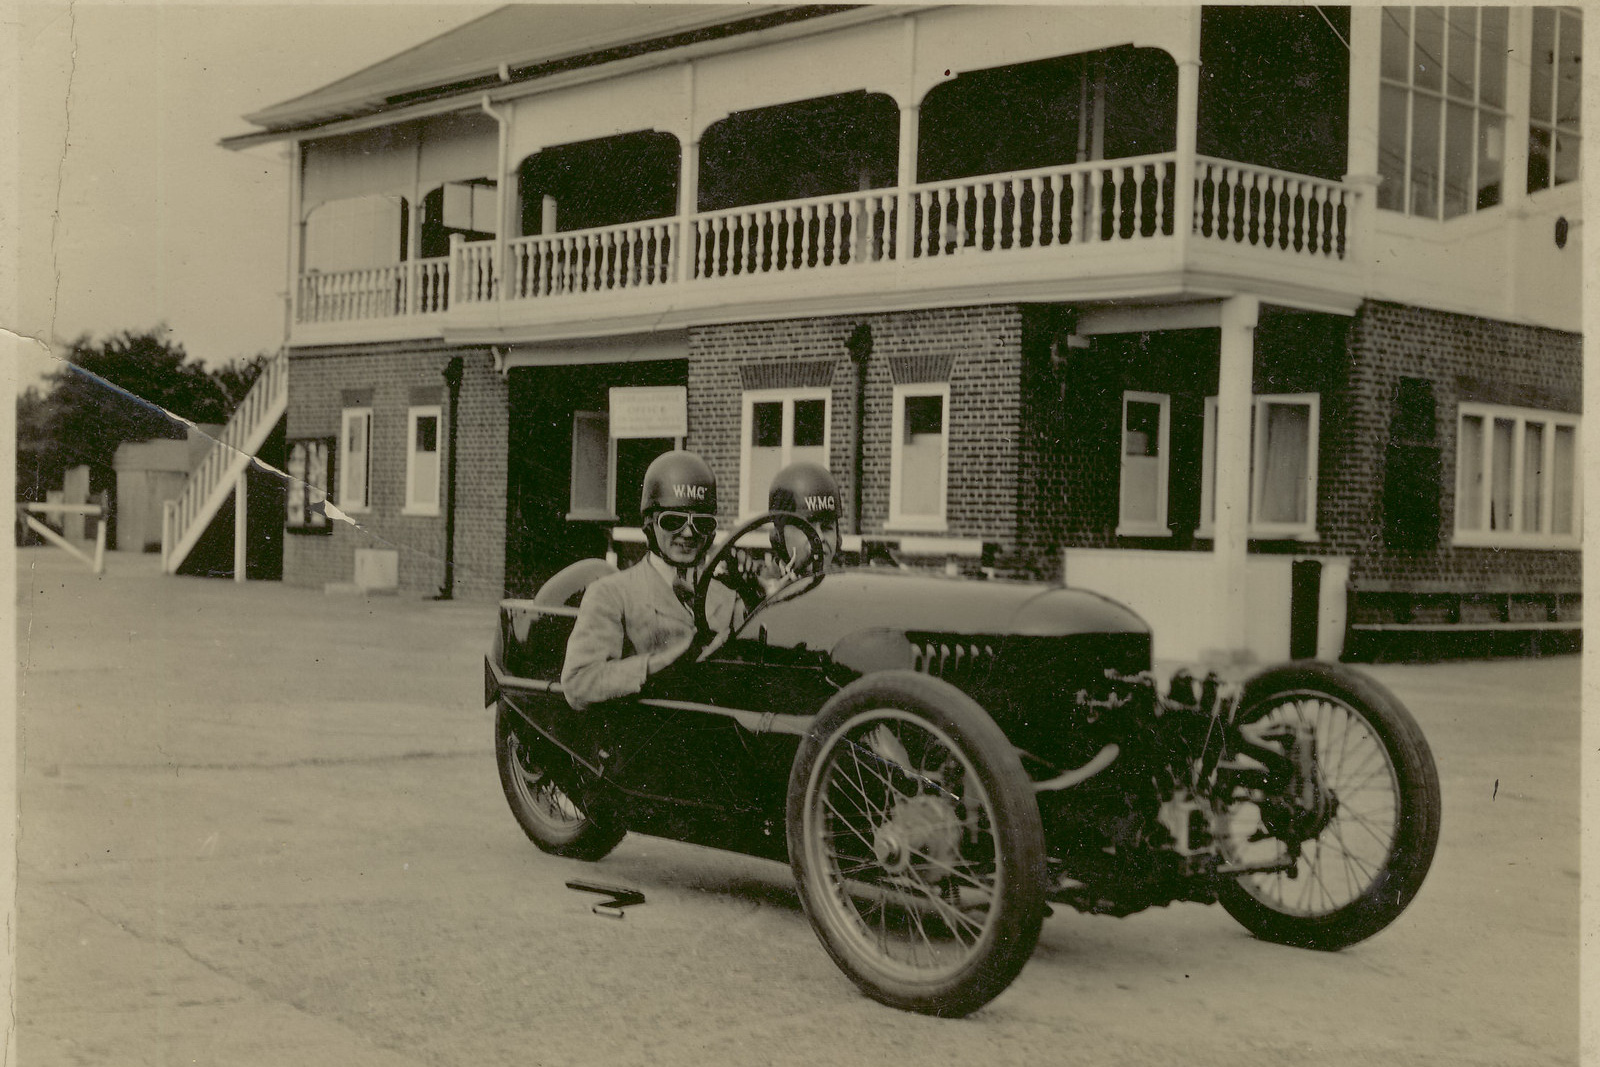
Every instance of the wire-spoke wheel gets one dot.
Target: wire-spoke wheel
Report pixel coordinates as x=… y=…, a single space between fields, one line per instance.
x=915 y=839
x=544 y=810
x=1363 y=833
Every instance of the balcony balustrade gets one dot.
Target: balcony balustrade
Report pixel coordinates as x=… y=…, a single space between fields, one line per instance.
x=796 y=235
x=586 y=261
x=1057 y=220
x=419 y=287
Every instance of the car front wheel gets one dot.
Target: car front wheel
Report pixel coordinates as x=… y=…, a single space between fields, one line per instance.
x=915 y=840
x=531 y=774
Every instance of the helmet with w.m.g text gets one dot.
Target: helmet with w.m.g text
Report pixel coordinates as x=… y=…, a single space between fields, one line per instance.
x=804 y=489
x=678 y=481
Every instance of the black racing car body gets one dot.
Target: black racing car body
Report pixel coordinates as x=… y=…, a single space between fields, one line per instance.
x=938 y=757
x=705 y=751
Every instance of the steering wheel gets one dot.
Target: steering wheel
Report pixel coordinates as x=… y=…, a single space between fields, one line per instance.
x=702 y=588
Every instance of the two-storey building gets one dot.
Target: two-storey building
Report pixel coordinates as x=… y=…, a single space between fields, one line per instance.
x=1263 y=320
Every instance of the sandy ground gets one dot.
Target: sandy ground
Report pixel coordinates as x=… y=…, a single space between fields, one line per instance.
x=262 y=826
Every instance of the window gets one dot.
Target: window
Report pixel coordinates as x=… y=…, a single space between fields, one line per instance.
x=1143 y=508
x=1555 y=90
x=1516 y=478
x=355 y=459
x=917 y=456
x=780 y=426
x=594 y=468
x=422 y=461
x=310 y=460
x=1283 y=466
x=1442 y=109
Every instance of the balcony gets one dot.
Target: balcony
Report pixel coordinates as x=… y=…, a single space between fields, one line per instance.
x=1115 y=229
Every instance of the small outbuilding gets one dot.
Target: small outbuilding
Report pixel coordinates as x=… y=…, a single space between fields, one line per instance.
x=150 y=473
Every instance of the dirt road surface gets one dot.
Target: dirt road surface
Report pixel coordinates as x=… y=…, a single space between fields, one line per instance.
x=261 y=827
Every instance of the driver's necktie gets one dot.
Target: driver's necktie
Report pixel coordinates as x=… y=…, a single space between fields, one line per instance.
x=683 y=588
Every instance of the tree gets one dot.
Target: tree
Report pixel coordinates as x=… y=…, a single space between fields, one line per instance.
x=237 y=378
x=127 y=387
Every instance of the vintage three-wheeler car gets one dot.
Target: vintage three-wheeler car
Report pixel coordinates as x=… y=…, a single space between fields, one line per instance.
x=938 y=758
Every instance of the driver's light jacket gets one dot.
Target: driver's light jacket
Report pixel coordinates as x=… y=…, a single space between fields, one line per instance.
x=624 y=619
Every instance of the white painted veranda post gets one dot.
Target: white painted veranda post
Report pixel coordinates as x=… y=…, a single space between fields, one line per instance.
x=1231 y=526
x=1361 y=160
x=241 y=527
x=684 y=253
x=1184 y=197
x=910 y=116
x=458 y=272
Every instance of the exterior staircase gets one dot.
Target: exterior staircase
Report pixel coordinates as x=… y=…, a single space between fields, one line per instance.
x=184 y=520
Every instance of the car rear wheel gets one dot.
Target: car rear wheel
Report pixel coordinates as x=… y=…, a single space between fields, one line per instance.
x=530 y=767
x=915 y=840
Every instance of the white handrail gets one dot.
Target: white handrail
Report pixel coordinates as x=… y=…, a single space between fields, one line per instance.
x=209 y=483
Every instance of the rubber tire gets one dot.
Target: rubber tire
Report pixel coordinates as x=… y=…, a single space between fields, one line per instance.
x=583 y=840
x=1018 y=834
x=1419 y=810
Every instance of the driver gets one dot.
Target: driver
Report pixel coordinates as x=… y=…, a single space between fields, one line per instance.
x=636 y=623
x=806 y=491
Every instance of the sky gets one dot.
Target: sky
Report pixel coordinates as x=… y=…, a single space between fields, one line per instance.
x=127 y=213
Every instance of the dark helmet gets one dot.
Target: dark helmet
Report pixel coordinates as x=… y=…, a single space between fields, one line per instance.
x=807 y=491
x=804 y=489
x=678 y=481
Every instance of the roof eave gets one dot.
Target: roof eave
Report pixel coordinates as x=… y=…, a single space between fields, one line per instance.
x=470 y=97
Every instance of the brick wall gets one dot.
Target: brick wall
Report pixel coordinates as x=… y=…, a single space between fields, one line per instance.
x=983 y=347
x=1464 y=357
x=317 y=380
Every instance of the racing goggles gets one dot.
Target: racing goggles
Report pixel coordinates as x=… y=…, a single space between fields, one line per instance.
x=699 y=525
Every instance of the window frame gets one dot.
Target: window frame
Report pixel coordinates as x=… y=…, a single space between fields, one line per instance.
x=609 y=512
x=788 y=396
x=898 y=519
x=1553 y=127
x=1483 y=537
x=414 y=414
x=1444 y=99
x=1157 y=527
x=344 y=462
x=1305 y=530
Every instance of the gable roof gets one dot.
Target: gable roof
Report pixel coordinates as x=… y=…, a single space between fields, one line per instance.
x=523 y=41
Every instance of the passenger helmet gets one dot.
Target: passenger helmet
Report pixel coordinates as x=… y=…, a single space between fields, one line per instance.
x=807 y=491
x=678 y=481
x=804 y=489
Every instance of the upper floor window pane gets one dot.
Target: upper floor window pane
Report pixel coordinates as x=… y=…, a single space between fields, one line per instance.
x=1441 y=117
x=1554 y=98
